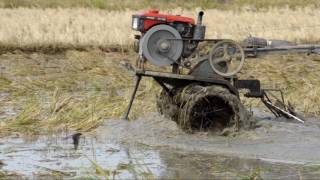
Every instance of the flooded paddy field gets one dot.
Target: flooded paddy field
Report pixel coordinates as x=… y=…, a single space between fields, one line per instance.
x=46 y=98
x=154 y=147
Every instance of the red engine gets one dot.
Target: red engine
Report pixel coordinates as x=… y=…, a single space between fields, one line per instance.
x=144 y=21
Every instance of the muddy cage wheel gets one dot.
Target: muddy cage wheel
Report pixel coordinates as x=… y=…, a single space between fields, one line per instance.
x=203 y=108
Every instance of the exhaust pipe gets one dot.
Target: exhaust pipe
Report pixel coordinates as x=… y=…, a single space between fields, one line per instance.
x=199 y=29
x=200 y=15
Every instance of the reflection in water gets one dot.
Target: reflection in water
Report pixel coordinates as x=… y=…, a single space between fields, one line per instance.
x=204 y=166
x=55 y=156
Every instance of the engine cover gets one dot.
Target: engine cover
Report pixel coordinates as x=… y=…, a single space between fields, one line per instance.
x=161 y=45
x=147 y=20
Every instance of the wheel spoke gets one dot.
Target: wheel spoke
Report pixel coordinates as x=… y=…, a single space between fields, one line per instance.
x=226 y=58
x=225 y=49
x=237 y=56
x=219 y=60
x=229 y=65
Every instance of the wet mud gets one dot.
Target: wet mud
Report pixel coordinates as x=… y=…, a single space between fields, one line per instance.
x=155 y=147
x=274 y=140
x=204 y=108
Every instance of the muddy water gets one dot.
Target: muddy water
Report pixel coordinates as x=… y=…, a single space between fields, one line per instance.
x=153 y=146
x=273 y=139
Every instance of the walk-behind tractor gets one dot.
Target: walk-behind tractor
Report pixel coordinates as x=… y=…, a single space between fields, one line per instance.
x=201 y=89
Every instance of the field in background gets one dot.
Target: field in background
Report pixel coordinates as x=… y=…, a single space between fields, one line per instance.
x=162 y=4
x=82 y=28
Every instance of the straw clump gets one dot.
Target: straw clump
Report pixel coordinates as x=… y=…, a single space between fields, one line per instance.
x=77 y=90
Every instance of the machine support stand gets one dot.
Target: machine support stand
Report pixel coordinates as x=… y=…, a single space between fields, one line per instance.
x=137 y=82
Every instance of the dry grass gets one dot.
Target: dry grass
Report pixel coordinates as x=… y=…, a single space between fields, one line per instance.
x=63 y=28
x=162 y=4
x=76 y=90
x=136 y=169
x=80 y=90
x=297 y=75
x=81 y=28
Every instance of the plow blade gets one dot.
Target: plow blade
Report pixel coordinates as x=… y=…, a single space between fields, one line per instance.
x=278 y=107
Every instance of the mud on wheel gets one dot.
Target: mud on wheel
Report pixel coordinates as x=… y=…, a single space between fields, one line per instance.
x=203 y=108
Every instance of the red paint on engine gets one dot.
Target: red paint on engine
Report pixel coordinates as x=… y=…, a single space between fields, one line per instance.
x=153 y=17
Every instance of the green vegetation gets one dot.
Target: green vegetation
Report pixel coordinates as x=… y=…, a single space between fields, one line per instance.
x=162 y=4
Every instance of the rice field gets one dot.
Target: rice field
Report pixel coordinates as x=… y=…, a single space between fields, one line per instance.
x=86 y=28
x=160 y=4
x=67 y=88
x=65 y=65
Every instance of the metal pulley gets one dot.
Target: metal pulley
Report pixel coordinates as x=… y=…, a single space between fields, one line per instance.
x=161 y=45
x=227 y=58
